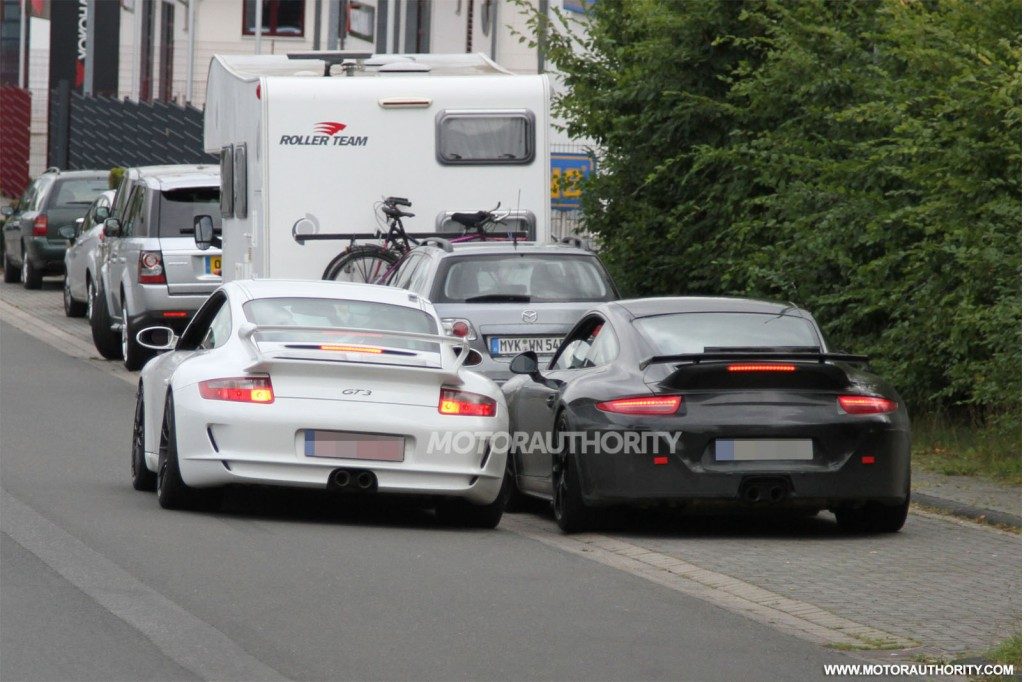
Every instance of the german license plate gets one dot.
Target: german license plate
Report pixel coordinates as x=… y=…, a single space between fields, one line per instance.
x=349 y=445
x=213 y=265
x=751 y=450
x=514 y=345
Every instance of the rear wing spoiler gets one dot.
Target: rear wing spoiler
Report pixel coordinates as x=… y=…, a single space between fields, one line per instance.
x=697 y=358
x=262 y=360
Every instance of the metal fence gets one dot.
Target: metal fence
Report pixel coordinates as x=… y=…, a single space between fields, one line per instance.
x=100 y=132
x=15 y=121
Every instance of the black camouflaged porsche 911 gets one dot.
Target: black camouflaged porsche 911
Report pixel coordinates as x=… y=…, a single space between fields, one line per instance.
x=692 y=401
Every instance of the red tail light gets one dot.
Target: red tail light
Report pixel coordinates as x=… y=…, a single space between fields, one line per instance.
x=650 y=404
x=40 y=225
x=151 y=268
x=239 y=389
x=459 y=327
x=866 y=404
x=761 y=367
x=351 y=349
x=453 y=401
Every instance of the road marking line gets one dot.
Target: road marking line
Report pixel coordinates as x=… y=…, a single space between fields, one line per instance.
x=61 y=340
x=193 y=644
x=792 y=616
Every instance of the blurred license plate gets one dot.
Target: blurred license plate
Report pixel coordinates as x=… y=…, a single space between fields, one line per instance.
x=213 y=265
x=514 y=345
x=347 y=445
x=749 y=450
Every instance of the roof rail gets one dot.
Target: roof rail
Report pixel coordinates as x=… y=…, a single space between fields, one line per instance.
x=439 y=242
x=53 y=169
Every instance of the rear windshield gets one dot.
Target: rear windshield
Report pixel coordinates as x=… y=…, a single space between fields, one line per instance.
x=72 y=192
x=179 y=207
x=509 y=278
x=329 y=312
x=683 y=333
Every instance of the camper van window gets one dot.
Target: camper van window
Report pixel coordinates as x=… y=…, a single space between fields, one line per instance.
x=280 y=18
x=227 y=181
x=492 y=138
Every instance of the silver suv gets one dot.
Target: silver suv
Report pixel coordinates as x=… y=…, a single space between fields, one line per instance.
x=506 y=299
x=150 y=271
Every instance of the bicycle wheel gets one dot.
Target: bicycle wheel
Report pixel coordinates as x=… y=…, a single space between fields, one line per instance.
x=365 y=264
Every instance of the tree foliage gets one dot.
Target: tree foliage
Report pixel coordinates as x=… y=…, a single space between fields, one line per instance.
x=862 y=159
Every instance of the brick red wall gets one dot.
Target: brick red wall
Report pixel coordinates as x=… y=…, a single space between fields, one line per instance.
x=15 y=116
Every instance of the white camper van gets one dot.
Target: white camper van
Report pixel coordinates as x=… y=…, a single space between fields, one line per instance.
x=309 y=143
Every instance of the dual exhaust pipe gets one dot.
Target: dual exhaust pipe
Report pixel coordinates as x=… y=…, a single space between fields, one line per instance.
x=769 y=490
x=353 y=480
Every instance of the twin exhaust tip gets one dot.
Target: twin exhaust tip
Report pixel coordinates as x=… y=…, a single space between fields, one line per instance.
x=757 y=491
x=353 y=481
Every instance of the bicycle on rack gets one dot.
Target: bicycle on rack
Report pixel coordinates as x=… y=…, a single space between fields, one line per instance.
x=374 y=263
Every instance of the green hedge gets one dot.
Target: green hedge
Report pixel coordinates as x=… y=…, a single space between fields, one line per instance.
x=861 y=159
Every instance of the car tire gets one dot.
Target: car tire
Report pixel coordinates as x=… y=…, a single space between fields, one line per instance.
x=571 y=514
x=106 y=340
x=142 y=477
x=171 y=490
x=135 y=356
x=12 y=275
x=72 y=308
x=31 y=277
x=515 y=501
x=468 y=515
x=874 y=517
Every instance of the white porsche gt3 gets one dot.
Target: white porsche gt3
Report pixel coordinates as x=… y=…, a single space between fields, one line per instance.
x=333 y=385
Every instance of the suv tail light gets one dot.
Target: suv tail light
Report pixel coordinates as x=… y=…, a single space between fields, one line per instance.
x=40 y=225
x=457 y=326
x=866 y=404
x=644 y=404
x=239 y=389
x=151 y=268
x=453 y=401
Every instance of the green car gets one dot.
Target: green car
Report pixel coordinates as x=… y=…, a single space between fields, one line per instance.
x=33 y=244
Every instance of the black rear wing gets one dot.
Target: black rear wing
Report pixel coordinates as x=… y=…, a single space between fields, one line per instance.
x=697 y=358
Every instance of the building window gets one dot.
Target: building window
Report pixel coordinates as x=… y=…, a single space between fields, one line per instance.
x=281 y=18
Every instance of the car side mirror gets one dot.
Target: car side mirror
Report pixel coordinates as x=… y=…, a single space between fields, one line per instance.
x=101 y=213
x=69 y=231
x=7 y=211
x=157 y=338
x=111 y=227
x=525 y=363
x=203 y=233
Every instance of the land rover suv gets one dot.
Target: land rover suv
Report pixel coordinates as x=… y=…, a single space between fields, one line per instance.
x=150 y=271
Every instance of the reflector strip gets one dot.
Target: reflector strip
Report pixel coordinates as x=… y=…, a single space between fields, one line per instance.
x=661 y=460
x=867 y=459
x=761 y=367
x=175 y=313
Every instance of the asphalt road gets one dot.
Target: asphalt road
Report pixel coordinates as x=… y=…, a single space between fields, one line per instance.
x=99 y=583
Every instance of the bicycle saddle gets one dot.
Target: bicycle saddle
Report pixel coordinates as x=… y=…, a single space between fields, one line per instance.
x=471 y=219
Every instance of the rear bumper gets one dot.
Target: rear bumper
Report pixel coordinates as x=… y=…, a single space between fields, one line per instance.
x=46 y=254
x=223 y=443
x=151 y=304
x=617 y=478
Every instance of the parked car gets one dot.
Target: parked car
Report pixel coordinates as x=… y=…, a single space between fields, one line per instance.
x=505 y=298
x=729 y=401
x=33 y=245
x=319 y=385
x=80 y=259
x=150 y=271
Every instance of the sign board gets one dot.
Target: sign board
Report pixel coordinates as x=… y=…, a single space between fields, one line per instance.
x=567 y=169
